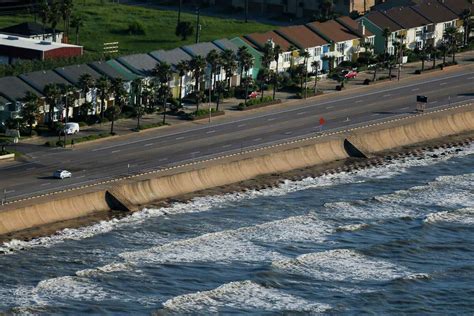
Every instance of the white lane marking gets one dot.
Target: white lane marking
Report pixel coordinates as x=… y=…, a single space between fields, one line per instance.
x=257 y=139
x=226 y=146
x=300 y=113
x=30 y=168
x=11 y=191
x=44 y=184
x=459 y=96
x=416 y=89
x=195 y=153
x=406 y=108
x=180 y=137
x=148 y=145
x=386 y=95
x=470 y=78
x=271 y=119
x=210 y=132
x=329 y=107
x=433 y=101
x=115 y=151
x=83 y=176
x=359 y=101
x=375 y=114
x=163 y=159
x=241 y=125
x=443 y=83
x=288 y=133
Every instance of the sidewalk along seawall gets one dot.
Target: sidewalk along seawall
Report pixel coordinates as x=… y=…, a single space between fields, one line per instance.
x=139 y=191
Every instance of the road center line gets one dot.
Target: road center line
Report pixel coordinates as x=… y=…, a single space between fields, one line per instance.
x=44 y=184
x=210 y=132
x=257 y=139
x=300 y=113
x=329 y=107
x=180 y=137
x=147 y=145
x=115 y=151
x=416 y=89
x=443 y=83
x=386 y=95
x=241 y=125
x=271 y=119
x=226 y=146
x=359 y=101
x=195 y=153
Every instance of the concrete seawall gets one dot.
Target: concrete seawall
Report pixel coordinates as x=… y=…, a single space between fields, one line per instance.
x=144 y=189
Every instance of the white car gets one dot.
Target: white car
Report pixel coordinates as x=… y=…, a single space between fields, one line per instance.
x=71 y=128
x=62 y=174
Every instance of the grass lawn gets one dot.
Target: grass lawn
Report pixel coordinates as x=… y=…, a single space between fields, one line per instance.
x=109 y=23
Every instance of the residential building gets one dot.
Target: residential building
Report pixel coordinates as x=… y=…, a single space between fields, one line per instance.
x=257 y=56
x=34 y=31
x=173 y=58
x=13 y=48
x=286 y=59
x=224 y=44
x=376 y=22
x=344 y=42
x=12 y=91
x=441 y=17
x=305 y=39
x=140 y=64
x=202 y=50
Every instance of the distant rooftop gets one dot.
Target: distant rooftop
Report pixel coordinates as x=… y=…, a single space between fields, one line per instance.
x=14 y=89
x=332 y=31
x=74 y=72
x=301 y=36
x=171 y=57
x=39 y=79
x=260 y=39
x=200 y=49
x=141 y=64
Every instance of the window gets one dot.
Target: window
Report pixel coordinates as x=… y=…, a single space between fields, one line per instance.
x=419 y=33
x=341 y=47
x=447 y=25
x=419 y=44
x=286 y=57
x=391 y=50
x=317 y=51
x=340 y=59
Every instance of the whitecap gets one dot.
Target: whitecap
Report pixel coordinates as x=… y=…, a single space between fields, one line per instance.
x=463 y=216
x=243 y=296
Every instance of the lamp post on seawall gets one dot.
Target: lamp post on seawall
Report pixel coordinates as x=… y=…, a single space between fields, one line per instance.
x=4 y=198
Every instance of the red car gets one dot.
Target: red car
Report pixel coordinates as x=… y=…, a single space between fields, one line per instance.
x=253 y=95
x=349 y=74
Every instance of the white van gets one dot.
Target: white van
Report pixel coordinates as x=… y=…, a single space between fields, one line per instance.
x=71 y=128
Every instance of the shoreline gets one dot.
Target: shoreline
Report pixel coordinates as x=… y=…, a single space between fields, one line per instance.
x=258 y=183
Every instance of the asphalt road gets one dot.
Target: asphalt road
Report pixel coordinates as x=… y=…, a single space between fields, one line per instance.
x=164 y=147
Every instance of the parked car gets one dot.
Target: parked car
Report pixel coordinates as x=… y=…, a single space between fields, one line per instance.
x=71 y=128
x=349 y=74
x=62 y=174
x=253 y=95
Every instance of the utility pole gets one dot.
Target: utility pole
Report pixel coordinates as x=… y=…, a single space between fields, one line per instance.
x=401 y=57
x=179 y=10
x=198 y=25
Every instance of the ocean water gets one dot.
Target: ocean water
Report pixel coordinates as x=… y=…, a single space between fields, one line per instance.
x=392 y=239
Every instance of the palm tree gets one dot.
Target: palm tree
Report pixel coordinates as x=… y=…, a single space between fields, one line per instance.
x=54 y=17
x=182 y=68
x=184 y=29
x=137 y=89
x=246 y=63
x=85 y=83
x=465 y=16
x=52 y=94
x=213 y=60
x=44 y=14
x=326 y=6
x=228 y=62
x=68 y=92
x=315 y=65
x=77 y=22
x=197 y=65
x=66 y=11
x=386 y=33
x=104 y=86
x=276 y=56
x=450 y=34
x=30 y=110
x=120 y=95
x=305 y=55
x=264 y=72
x=433 y=52
x=163 y=73
x=443 y=49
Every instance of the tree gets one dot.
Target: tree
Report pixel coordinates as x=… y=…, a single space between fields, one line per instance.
x=163 y=73
x=315 y=65
x=246 y=63
x=138 y=109
x=120 y=95
x=85 y=83
x=276 y=56
x=182 y=68
x=386 y=33
x=262 y=78
x=103 y=86
x=52 y=95
x=451 y=34
x=44 y=13
x=228 y=63
x=180 y=5
x=305 y=55
x=197 y=65
x=264 y=72
x=77 y=22
x=30 y=110
x=54 y=17
x=433 y=51
x=184 y=29
x=377 y=60
x=68 y=92
x=214 y=62
x=443 y=49
x=465 y=16
x=326 y=6
x=66 y=8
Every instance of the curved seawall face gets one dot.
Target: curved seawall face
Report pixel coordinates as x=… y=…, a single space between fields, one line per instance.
x=143 y=190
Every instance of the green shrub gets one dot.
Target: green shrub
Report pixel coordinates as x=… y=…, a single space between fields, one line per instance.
x=136 y=28
x=60 y=143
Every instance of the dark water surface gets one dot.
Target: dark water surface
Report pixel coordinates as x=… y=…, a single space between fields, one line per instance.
x=387 y=240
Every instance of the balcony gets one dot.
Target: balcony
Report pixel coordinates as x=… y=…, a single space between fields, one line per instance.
x=429 y=35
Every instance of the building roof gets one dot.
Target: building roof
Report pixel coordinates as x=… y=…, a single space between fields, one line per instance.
x=141 y=64
x=435 y=12
x=239 y=41
x=260 y=39
x=14 y=89
x=39 y=79
x=353 y=25
x=382 y=21
x=27 y=29
x=458 y=6
x=332 y=31
x=107 y=70
x=225 y=43
x=74 y=72
x=32 y=44
x=301 y=36
x=125 y=72
x=406 y=17
x=171 y=57
x=200 y=49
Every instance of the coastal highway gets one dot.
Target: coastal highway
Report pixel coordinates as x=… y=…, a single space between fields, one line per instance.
x=119 y=156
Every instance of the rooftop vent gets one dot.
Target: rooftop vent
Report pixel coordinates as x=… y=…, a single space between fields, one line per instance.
x=45 y=43
x=12 y=38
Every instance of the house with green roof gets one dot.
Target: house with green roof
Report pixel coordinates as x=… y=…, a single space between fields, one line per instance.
x=257 y=56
